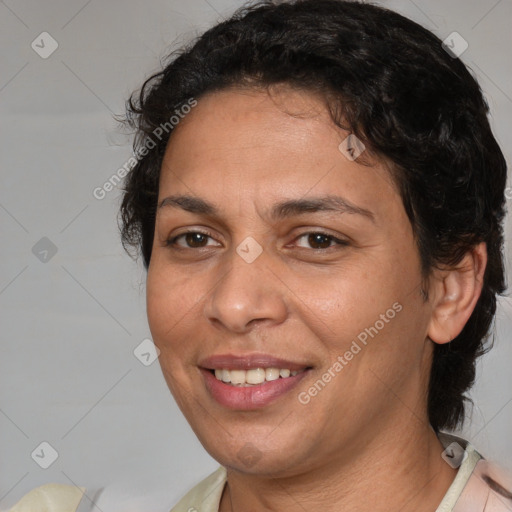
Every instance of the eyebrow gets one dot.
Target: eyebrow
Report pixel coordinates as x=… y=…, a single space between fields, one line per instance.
x=281 y=210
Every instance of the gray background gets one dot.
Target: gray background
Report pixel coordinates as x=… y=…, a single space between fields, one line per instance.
x=70 y=324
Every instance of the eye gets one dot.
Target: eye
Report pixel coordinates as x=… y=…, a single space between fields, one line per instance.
x=318 y=240
x=192 y=239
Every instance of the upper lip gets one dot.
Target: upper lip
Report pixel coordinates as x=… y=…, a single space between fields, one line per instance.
x=249 y=361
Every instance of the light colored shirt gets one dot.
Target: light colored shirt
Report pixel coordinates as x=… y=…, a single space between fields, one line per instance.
x=470 y=491
x=51 y=498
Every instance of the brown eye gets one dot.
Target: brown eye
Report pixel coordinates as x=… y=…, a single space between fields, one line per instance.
x=193 y=240
x=319 y=240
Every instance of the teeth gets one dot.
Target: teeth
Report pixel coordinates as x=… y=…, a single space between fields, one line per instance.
x=237 y=376
x=271 y=374
x=223 y=375
x=254 y=376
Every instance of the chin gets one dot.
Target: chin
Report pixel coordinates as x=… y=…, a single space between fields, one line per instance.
x=255 y=456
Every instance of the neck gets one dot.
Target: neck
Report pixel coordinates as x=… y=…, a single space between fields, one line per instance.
x=402 y=470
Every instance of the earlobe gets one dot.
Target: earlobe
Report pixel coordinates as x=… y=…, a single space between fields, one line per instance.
x=456 y=292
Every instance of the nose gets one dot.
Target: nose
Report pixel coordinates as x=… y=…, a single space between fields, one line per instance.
x=248 y=294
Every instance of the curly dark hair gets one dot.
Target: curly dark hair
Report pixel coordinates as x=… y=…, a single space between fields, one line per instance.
x=390 y=82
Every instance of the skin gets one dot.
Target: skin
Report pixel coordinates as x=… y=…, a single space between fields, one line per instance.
x=364 y=441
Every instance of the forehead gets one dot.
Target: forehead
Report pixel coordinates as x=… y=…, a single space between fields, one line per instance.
x=257 y=117
x=255 y=144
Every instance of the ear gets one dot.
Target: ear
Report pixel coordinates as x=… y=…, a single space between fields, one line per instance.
x=455 y=293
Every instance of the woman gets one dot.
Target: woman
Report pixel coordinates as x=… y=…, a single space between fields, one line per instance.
x=319 y=201
x=321 y=225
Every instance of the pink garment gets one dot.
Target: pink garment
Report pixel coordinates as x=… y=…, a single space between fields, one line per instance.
x=488 y=489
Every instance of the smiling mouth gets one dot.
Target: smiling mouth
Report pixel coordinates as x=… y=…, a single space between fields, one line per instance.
x=254 y=376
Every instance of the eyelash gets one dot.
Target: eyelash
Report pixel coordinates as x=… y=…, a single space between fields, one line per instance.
x=172 y=241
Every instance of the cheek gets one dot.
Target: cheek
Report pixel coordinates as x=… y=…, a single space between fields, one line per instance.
x=170 y=310
x=347 y=299
x=373 y=297
x=170 y=301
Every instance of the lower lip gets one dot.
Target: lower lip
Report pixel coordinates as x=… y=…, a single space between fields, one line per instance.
x=250 y=397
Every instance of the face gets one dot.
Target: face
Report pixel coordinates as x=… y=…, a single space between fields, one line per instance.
x=286 y=267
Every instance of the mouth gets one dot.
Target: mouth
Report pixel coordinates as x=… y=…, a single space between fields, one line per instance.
x=254 y=376
x=254 y=381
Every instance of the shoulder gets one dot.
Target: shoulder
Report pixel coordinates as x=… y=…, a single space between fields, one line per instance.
x=489 y=488
x=479 y=485
x=205 y=496
x=50 y=497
